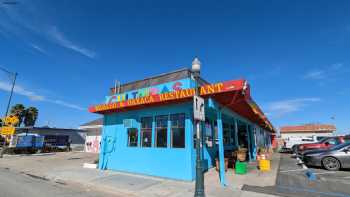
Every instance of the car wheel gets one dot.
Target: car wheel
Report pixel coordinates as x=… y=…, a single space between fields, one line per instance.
x=331 y=163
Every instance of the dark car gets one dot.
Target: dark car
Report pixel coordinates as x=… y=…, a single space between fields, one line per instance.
x=333 y=158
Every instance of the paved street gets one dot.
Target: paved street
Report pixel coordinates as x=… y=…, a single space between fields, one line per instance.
x=26 y=185
x=293 y=181
x=67 y=167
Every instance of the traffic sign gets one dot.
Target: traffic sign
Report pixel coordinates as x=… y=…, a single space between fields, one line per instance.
x=7 y=130
x=198 y=108
x=11 y=120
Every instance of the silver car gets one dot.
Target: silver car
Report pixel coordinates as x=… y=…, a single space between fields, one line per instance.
x=333 y=159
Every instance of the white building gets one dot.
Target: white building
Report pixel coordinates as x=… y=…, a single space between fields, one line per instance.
x=93 y=135
x=307 y=130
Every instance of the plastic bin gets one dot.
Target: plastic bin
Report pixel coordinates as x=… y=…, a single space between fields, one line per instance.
x=241 y=167
x=264 y=165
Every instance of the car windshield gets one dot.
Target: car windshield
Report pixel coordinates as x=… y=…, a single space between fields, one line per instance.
x=340 y=146
x=324 y=140
x=319 y=138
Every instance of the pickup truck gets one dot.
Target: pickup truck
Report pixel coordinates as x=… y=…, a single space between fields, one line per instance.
x=326 y=143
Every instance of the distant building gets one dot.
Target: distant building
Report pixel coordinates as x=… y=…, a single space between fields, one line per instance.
x=307 y=130
x=93 y=135
x=76 y=136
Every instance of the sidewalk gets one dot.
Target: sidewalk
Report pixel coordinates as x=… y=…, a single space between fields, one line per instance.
x=67 y=167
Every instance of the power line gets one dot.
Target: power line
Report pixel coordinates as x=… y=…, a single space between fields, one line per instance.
x=7 y=71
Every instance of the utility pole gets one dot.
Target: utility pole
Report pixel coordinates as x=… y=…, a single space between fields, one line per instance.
x=12 y=88
x=8 y=103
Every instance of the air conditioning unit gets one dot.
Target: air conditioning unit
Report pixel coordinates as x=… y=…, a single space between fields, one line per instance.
x=129 y=123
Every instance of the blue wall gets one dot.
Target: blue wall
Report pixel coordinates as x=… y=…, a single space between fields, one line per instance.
x=175 y=163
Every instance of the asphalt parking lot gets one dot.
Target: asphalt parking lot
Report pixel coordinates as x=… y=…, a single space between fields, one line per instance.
x=293 y=180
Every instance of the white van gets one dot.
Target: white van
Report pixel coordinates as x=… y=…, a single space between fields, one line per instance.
x=291 y=141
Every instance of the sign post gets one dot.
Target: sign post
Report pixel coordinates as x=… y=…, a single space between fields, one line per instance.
x=198 y=108
x=8 y=128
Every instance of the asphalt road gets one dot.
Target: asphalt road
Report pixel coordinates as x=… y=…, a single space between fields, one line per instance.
x=14 y=184
x=292 y=181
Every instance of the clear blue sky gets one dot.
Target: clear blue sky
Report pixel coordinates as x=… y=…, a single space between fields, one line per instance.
x=295 y=54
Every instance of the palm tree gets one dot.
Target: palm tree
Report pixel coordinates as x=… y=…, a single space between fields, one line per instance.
x=31 y=115
x=19 y=111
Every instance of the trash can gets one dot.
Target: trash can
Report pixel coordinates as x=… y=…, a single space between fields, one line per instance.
x=264 y=165
x=241 y=167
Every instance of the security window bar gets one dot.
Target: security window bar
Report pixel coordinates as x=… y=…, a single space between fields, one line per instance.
x=161 y=131
x=177 y=130
x=146 y=131
x=132 y=137
x=226 y=133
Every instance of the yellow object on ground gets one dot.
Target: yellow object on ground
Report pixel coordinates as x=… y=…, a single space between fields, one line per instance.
x=264 y=165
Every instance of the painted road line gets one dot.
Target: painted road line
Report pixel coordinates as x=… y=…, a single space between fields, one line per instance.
x=310 y=175
x=284 y=171
x=304 y=167
x=347 y=177
x=300 y=162
x=324 y=172
x=298 y=189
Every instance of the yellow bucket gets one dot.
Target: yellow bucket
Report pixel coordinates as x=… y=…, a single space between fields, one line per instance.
x=264 y=165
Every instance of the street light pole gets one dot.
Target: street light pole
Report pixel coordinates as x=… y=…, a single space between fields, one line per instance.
x=199 y=187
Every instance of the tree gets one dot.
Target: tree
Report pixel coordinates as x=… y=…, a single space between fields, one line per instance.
x=31 y=115
x=19 y=111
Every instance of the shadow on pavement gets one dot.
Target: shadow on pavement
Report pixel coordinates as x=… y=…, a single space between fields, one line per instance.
x=295 y=183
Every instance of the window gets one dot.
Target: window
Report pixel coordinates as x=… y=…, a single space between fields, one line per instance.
x=307 y=140
x=177 y=130
x=233 y=134
x=319 y=138
x=161 y=131
x=226 y=134
x=146 y=131
x=333 y=141
x=208 y=134
x=132 y=137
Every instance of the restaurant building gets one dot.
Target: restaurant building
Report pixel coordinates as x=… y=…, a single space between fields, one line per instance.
x=148 y=125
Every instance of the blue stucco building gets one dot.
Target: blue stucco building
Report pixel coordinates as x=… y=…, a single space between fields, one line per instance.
x=148 y=125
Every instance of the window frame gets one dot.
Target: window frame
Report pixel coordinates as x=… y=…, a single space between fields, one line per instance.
x=128 y=130
x=146 y=129
x=178 y=126
x=158 y=128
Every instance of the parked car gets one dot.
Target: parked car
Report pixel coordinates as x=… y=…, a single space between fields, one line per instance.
x=315 y=139
x=334 y=158
x=326 y=143
x=291 y=142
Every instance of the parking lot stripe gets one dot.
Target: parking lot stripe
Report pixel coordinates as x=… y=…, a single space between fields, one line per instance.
x=312 y=191
x=324 y=172
x=292 y=170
